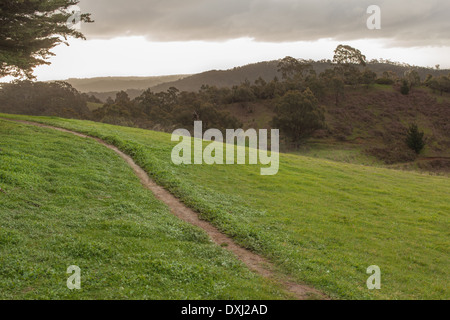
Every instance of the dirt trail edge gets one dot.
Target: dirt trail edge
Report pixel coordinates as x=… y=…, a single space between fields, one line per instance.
x=252 y=260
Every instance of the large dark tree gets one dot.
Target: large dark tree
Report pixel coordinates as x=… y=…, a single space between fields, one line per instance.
x=293 y=72
x=290 y=67
x=29 y=29
x=347 y=59
x=298 y=115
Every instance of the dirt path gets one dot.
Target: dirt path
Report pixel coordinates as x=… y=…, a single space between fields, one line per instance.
x=253 y=261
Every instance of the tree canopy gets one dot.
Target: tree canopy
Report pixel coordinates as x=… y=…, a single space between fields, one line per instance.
x=345 y=55
x=29 y=29
x=298 y=115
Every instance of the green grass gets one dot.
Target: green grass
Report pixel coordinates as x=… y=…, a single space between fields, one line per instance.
x=320 y=221
x=70 y=201
x=339 y=152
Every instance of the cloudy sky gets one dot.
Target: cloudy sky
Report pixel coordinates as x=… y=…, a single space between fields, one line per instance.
x=156 y=37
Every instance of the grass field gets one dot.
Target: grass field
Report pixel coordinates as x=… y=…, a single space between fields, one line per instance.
x=319 y=221
x=70 y=201
x=339 y=152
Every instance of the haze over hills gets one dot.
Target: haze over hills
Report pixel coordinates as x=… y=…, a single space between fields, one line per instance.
x=106 y=87
x=105 y=84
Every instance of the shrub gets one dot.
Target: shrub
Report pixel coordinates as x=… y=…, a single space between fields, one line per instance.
x=405 y=88
x=415 y=139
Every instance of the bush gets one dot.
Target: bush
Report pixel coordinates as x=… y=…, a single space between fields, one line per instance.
x=404 y=88
x=415 y=139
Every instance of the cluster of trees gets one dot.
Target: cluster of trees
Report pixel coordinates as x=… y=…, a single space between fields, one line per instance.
x=40 y=98
x=167 y=110
x=439 y=84
x=349 y=68
x=298 y=115
x=162 y=111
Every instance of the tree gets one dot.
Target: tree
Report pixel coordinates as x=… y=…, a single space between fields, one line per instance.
x=334 y=82
x=29 y=29
x=298 y=115
x=346 y=55
x=413 y=78
x=443 y=84
x=368 y=77
x=346 y=59
x=293 y=72
x=43 y=99
x=404 y=89
x=415 y=139
x=122 y=98
x=352 y=75
x=315 y=84
x=290 y=67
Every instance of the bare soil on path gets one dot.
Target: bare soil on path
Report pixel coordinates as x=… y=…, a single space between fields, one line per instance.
x=253 y=261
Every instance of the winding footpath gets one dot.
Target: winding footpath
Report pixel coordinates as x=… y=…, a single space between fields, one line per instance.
x=253 y=261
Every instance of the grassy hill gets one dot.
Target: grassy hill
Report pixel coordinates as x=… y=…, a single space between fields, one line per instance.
x=319 y=221
x=66 y=201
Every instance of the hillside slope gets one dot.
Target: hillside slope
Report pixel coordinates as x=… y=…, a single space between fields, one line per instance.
x=322 y=222
x=66 y=200
x=369 y=123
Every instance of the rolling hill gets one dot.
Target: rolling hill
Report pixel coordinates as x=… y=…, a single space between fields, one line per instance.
x=321 y=222
x=103 y=88
x=268 y=70
x=67 y=200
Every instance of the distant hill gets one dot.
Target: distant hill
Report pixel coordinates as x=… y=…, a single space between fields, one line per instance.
x=268 y=70
x=103 y=96
x=224 y=78
x=109 y=84
x=106 y=87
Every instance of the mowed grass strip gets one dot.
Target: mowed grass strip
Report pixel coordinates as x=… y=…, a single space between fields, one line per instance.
x=70 y=201
x=320 y=221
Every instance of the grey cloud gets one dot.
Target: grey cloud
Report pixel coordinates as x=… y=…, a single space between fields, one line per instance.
x=404 y=22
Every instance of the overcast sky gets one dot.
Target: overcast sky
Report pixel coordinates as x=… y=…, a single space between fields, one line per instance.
x=155 y=37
